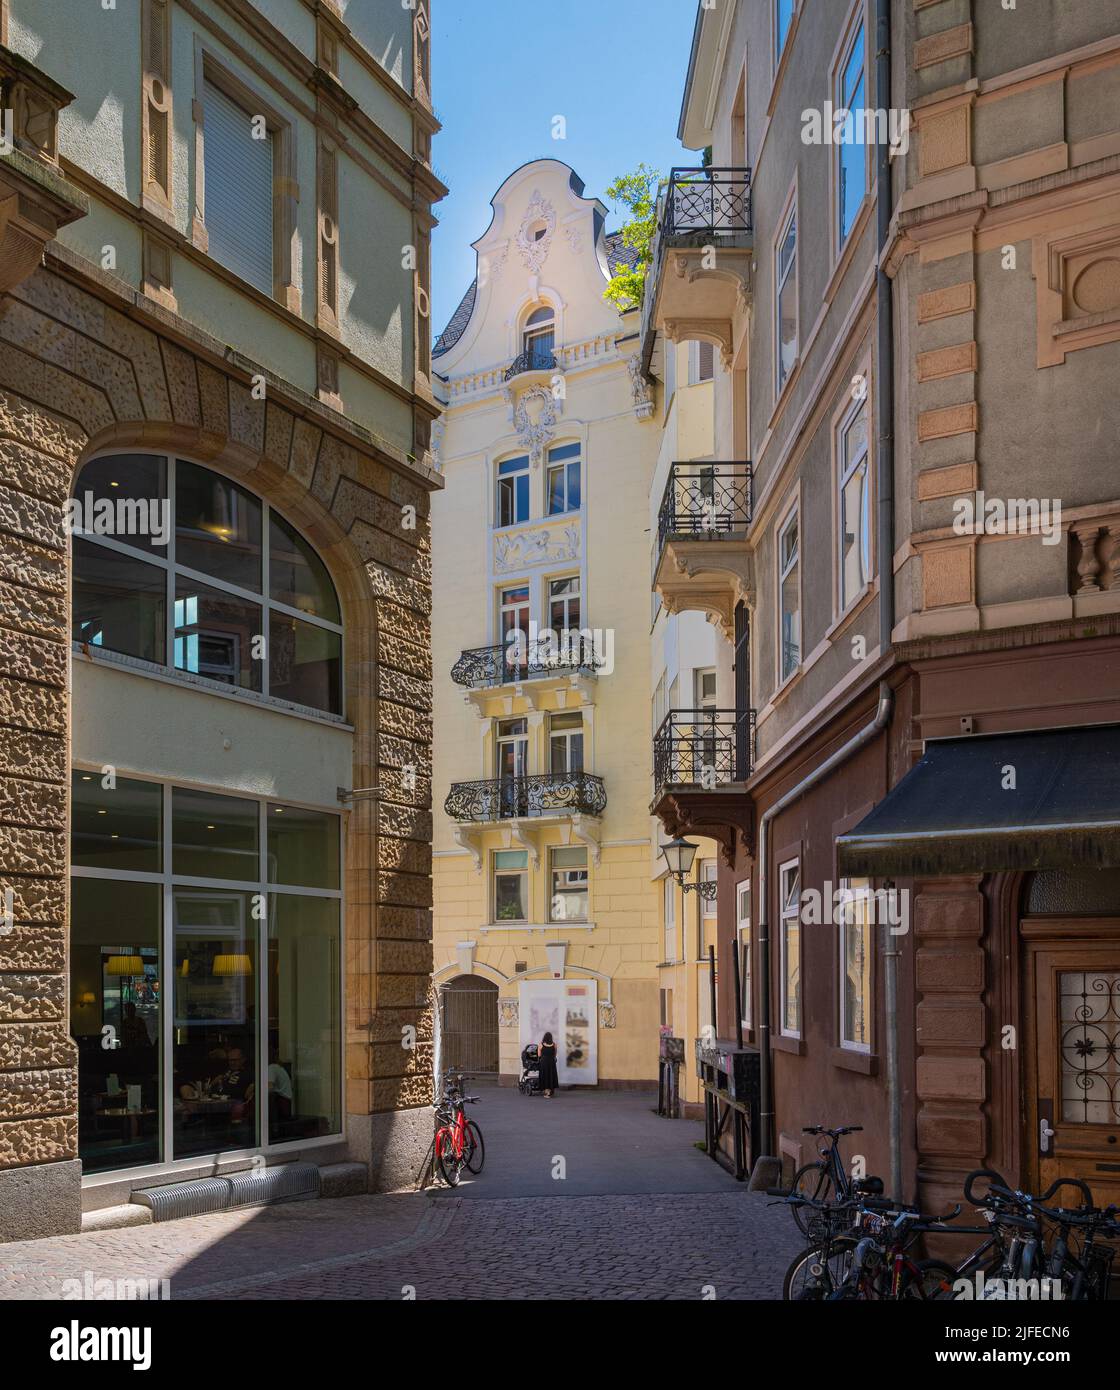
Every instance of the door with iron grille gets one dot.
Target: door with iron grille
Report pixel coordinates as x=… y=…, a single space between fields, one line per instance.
x=470 y=1025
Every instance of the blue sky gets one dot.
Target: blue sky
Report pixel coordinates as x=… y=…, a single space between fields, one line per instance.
x=501 y=69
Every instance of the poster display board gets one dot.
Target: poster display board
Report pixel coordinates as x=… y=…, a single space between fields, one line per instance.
x=569 y=1010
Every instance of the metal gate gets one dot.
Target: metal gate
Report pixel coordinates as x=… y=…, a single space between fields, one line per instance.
x=470 y=1024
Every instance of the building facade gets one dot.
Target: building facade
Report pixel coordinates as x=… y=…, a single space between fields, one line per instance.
x=215 y=415
x=547 y=912
x=908 y=542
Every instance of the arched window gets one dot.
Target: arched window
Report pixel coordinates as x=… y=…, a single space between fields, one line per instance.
x=539 y=338
x=177 y=566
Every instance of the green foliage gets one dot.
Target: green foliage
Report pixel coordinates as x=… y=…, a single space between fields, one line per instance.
x=637 y=192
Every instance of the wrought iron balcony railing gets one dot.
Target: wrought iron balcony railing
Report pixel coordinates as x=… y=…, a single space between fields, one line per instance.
x=510 y=798
x=710 y=202
x=703 y=749
x=572 y=654
x=532 y=361
x=703 y=500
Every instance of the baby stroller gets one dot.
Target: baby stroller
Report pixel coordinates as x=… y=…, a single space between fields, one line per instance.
x=529 y=1083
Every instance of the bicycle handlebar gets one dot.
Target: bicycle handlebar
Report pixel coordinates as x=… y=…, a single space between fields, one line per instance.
x=832 y=1133
x=995 y=1180
x=1080 y=1184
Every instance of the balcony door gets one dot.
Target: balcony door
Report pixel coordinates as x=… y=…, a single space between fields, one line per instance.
x=513 y=625
x=512 y=755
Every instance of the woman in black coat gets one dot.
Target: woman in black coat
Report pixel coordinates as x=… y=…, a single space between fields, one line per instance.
x=548 y=1078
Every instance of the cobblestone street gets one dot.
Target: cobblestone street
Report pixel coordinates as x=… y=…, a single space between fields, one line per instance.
x=639 y=1214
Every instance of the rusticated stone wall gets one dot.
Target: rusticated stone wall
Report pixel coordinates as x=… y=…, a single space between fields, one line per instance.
x=87 y=364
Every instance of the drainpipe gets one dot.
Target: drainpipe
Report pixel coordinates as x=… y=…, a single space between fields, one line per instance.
x=767 y=1169
x=884 y=477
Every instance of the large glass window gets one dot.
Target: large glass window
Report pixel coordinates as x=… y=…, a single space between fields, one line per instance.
x=208 y=891
x=199 y=601
x=785 y=300
x=511 y=885
x=789 y=597
x=568 y=902
x=851 y=151
x=854 y=507
x=789 y=880
x=512 y=494
x=563 y=492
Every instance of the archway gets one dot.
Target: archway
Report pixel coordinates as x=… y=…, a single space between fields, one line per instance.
x=469 y=1011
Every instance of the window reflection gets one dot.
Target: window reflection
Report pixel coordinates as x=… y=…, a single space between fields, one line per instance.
x=217 y=527
x=115 y=827
x=120 y=603
x=297 y=576
x=305 y=663
x=218 y=635
x=303 y=1076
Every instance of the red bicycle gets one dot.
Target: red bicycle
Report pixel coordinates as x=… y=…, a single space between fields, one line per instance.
x=458 y=1141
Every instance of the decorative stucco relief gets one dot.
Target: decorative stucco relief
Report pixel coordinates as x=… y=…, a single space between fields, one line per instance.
x=516 y=552
x=534 y=237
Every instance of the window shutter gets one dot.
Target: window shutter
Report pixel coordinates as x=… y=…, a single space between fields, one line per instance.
x=707 y=362
x=238 y=191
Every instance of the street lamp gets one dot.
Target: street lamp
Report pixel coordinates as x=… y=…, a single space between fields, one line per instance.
x=679 y=855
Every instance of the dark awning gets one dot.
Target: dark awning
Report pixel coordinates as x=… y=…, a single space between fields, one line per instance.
x=955 y=813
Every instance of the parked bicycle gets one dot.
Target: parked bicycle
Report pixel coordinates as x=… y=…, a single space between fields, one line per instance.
x=826 y=1179
x=458 y=1143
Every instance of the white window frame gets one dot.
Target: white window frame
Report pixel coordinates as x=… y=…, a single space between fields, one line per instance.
x=566 y=600
x=553 y=871
x=843 y=472
x=744 y=936
x=523 y=873
x=784 y=569
x=778 y=42
x=170 y=882
x=167 y=670
x=708 y=872
x=562 y=466
x=500 y=480
x=855 y=24
x=789 y=218
x=861 y=897
x=788 y=914
x=566 y=738
x=669 y=894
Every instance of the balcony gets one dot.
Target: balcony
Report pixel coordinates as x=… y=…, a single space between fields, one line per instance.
x=532 y=361
x=699 y=281
x=530 y=670
x=702 y=560
x=701 y=758
x=525 y=806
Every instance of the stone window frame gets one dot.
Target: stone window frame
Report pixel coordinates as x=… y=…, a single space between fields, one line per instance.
x=1056 y=263
x=790 y=212
x=210 y=67
x=792 y=506
x=856 y=18
x=841 y=418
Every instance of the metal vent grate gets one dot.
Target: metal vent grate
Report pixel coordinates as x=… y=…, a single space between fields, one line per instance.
x=288 y=1182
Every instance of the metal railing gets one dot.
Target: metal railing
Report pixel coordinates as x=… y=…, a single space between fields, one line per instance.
x=704 y=749
x=510 y=664
x=509 y=798
x=703 y=500
x=531 y=361
x=712 y=202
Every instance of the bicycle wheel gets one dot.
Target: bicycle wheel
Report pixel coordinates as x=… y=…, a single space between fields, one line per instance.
x=474 y=1150
x=815 y=1182
x=450 y=1165
x=932 y=1284
x=812 y=1278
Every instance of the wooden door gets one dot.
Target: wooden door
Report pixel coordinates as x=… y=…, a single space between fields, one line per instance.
x=1073 y=1117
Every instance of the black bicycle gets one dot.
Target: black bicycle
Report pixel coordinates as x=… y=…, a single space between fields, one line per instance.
x=827 y=1180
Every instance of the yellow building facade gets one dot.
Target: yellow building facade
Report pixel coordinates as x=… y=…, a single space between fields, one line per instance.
x=548 y=906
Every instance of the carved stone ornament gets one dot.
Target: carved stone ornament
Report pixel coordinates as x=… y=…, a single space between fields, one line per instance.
x=534 y=418
x=535 y=548
x=507 y=1013
x=534 y=238
x=607 y=1018
x=639 y=388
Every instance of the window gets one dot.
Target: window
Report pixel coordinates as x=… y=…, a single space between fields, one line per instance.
x=565 y=741
x=569 y=885
x=743 y=935
x=705 y=685
x=670 y=892
x=701 y=362
x=855 y=965
x=709 y=873
x=563 y=491
x=563 y=604
x=783 y=18
x=198 y=920
x=851 y=165
x=854 y=507
x=785 y=299
x=789 y=597
x=789 y=881
x=512 y=492
x=238 y=189
x=511 y=885
x=539 y=336
x=227 y=590
x=513 y=624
